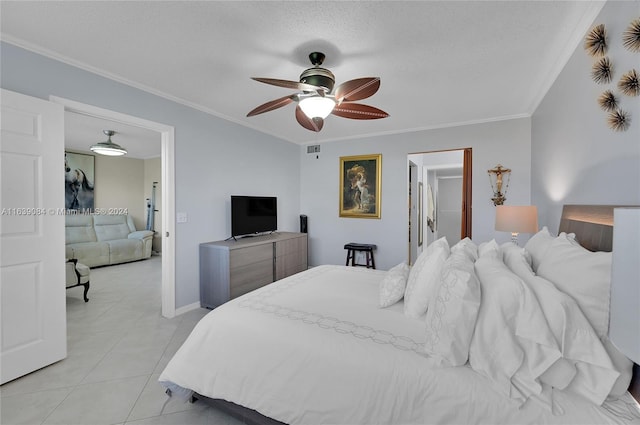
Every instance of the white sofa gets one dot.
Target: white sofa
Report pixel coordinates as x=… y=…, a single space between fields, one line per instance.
x=99 y=240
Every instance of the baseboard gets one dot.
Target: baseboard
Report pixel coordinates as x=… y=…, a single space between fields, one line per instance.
x=187 y=308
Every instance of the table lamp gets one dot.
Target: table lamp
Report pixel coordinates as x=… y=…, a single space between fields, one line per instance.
x=516 y=219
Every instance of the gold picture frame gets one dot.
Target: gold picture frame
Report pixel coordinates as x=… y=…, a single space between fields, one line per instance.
x=360 y=183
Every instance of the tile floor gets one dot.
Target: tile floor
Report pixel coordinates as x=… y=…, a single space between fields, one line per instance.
x=118 y=343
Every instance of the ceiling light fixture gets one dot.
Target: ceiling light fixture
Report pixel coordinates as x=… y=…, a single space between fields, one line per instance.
x=317 y=106
x=108 y=148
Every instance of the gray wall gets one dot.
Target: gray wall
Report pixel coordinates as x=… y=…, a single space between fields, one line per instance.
x=576 y=158
x=214 y=158
x=505 y=142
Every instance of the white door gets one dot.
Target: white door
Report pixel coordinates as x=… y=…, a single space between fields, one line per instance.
x=32 y=287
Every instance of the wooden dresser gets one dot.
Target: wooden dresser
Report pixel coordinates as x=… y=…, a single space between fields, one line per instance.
x=231 y=268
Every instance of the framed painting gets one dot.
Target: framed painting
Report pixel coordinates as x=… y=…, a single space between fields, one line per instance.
x=79 y=182
x=360 y=182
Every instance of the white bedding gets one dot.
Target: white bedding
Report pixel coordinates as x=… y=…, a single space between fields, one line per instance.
x=316 y=348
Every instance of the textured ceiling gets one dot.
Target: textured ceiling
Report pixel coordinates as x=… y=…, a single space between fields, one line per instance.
x=441 y=63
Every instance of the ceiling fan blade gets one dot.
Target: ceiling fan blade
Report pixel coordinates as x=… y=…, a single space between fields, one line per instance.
x=314 y=124
x=274 y=104
x=289 y=84
x=358 y=111
x=357 y=89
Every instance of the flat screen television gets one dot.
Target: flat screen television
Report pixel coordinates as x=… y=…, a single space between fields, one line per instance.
x=253 y=214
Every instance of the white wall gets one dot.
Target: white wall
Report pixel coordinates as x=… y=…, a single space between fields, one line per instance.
x=119 y=184
x=507 y=142
x=449 y=206
x=576 y=158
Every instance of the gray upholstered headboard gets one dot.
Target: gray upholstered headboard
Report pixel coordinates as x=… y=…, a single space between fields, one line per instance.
x=593 y=226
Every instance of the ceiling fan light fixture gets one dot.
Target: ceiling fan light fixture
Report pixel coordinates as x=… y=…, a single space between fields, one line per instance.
x=108 y=148
x=317 y=106
x=317 y=98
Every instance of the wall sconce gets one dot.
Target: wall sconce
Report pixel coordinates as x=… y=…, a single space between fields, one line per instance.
x=516 y=219
x=496 y=179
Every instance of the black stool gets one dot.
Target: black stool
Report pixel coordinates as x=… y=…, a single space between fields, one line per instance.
x=367 y=248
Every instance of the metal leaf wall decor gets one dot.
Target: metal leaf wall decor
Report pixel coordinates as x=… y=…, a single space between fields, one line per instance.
x=628 y=83
x=631 y=36
x=595 y=42
x=602 y=71
x=619 y=120
x=608 y=101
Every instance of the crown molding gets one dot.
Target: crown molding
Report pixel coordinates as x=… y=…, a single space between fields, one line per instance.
x=117 y=78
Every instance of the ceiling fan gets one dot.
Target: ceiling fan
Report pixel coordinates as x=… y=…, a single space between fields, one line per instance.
x=316 y=99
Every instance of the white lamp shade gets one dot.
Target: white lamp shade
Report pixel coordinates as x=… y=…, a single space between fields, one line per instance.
x=624 y=322
x=517 y=219
x=317 y=106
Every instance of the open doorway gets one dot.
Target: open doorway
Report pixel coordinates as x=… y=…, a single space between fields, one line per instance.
x=167 y=180
x=439 y=191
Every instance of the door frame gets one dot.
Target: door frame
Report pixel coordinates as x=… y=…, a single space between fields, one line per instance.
x=167 y=135
x=467 y=182
x=414 y=226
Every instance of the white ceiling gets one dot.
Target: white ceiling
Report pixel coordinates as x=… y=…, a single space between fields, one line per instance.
x=441 y=63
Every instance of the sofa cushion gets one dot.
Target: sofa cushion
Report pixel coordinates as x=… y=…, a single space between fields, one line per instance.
x=91 y=253
x=111 y=227
x=123 y=250
x=79 y=228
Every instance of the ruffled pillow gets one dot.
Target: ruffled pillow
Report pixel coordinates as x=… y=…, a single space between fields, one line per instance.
x=393 y=285
x=451 y=315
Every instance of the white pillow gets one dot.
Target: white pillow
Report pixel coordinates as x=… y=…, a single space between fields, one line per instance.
x=583 y=275
x=393 y=285
x=451 y=315
x=517 y=259
x=587 y=366
x=586 y=277
x=467 y=246
x=622 y=364
x=490 y=248
x=423 y=278
x=512 y=344
x=538 y=245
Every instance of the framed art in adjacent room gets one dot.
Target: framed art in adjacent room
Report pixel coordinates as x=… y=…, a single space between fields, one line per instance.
x=360 y=181
x=79 y=182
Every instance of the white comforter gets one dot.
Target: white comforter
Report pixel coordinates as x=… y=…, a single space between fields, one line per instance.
x=315 y=348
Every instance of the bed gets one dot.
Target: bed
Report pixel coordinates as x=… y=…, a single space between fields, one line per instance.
x=498 y=344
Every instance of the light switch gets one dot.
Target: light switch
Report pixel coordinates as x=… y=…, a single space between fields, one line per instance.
x=181 y=217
